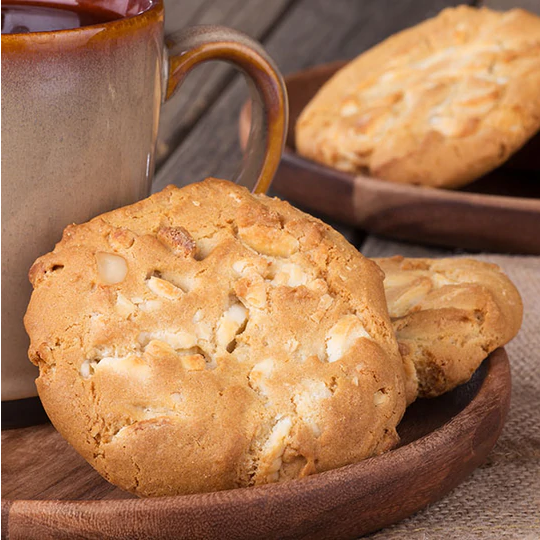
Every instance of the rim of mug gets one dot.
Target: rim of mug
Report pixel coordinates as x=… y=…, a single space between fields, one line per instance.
x=155 y=6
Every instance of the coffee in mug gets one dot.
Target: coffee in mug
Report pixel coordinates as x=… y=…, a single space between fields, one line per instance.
x=19 y=19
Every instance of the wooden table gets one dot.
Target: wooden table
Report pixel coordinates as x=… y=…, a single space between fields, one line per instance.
x=198 y=132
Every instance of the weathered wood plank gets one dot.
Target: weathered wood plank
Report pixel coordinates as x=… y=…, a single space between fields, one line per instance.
x=530 y=5
x=204 y=86
x=315 y=31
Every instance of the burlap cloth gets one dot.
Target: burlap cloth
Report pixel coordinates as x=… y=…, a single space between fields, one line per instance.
x=502 y=498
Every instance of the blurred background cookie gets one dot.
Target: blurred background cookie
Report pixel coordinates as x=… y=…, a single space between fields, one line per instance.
x=439 y=104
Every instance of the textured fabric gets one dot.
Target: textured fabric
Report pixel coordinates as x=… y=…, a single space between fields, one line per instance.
x=501 y=499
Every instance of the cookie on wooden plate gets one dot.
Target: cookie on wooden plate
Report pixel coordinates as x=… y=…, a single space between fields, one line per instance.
x=448 y=315
x=439 y=104
x=206 y=339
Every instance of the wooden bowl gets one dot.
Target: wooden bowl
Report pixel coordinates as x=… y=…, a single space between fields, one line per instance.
x=499 y=212
x=50 y=492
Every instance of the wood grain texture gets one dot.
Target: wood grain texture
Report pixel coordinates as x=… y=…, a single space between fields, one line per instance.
x=313 y=32
x=499 y=212
x=50 y=492
x=204 y=86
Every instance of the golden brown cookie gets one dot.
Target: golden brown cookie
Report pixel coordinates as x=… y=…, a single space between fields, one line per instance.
x=438 y=104
x=448 y=315
x=206 y=338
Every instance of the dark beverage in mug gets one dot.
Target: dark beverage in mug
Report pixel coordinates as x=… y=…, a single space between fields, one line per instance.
x=22 y=18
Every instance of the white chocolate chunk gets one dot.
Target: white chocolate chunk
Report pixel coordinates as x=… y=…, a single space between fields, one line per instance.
x=254 y=267
x=258 y=377
x=291 y=275
x=325 y=302
x=343 y=335
x=235 y=197
x=87 y=368
x=193 y=362
x=177 y=340
x=308 y=403
x=440 y=281
x=317 y=316
x=317 y=285
x=147 y=305
x=123 y=306
x=130 y=365
x=240 y=267
x=262 y=369
x=252 y=291
x=150 y=305
x=205 y=246
x=450 y=126
x=177 y=397
x=229 y=324
x=291 y=345
x=111 y=268
x=349 y=107
x=249 y=268
x=275 y=447
x=268 y=241
x=204 y=331
x=164 y=288
x=256 y=295
x=380 y=398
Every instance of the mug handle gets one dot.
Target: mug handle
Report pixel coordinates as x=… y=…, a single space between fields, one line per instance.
x=197 y=44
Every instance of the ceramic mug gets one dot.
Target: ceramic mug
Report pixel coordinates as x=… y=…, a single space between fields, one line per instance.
x=80 y=111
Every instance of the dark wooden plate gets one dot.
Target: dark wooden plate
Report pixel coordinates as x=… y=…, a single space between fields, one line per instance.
x=499 y=212
x=48 y=491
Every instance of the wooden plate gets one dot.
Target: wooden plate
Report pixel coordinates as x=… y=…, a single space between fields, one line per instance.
x=50 y=492
x=499 y=212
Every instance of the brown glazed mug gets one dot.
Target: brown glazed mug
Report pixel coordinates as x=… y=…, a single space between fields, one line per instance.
x=80 y=111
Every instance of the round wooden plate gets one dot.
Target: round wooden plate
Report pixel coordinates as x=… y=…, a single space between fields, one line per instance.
x=48 y=491
x=499 y=212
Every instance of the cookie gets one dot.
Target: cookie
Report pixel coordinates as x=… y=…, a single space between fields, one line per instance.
x=439 y=104
x=448 y=315
x=206 y=339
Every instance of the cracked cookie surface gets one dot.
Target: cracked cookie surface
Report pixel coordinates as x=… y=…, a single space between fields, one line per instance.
x=206 y=339
x=438 y=104
x=448 y=315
